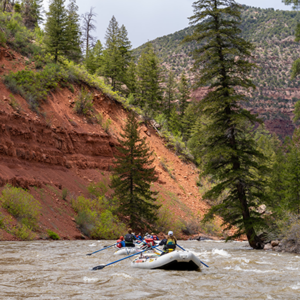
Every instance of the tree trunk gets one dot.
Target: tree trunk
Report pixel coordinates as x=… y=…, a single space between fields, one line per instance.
x=4 y=5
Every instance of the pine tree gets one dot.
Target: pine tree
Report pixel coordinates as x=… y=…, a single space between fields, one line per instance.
x=73 y=51
x=131 y=78
x=170 y=95
x=32 y=12
x=293 y=179
x=133 y=176
x=95 y=58
x=184 y=94
x=112 y=58
x=56 y=37
x=125 y=50
x=229 y=150
x=149 y=80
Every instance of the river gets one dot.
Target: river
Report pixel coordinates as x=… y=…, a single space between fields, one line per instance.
x=61 y=270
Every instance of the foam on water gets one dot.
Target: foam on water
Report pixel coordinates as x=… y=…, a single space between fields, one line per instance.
x=92 y=245
x=122 y=274
x=87 y=279
x=220 y=252
x=238 y=268
x=295 y=287
x=242 y=259
x=291 y=268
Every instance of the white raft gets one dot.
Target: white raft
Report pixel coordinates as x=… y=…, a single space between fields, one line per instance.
x=128 y=250
x=176 y=260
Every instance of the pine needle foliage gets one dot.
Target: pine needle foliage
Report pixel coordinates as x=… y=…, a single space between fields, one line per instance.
x=56 y=36
x=133 y=176
x=228 y=148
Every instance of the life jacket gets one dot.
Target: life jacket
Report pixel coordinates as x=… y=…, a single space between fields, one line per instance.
x=150 y=241
x=155 y=238
x=128 y=238
x=170 y=245
x=119 y=245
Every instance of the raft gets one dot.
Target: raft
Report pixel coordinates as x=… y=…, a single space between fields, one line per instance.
x=176 y=261
x=128 y=250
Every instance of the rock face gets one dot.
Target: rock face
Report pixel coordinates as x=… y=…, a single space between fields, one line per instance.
x=28 y=141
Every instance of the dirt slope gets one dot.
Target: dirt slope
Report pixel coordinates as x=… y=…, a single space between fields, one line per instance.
x=61 y=150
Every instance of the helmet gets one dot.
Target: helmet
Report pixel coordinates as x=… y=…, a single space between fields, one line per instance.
x=170 y=233
x=121 y=238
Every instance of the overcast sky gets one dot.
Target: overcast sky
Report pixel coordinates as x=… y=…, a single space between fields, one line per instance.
x=147 y=20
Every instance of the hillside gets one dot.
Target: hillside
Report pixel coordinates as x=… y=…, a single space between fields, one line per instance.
x=272 y=32
x=58 y=149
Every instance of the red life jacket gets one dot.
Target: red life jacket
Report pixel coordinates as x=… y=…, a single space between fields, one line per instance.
x=150 y=242
x=155 y=238
x=119 y=245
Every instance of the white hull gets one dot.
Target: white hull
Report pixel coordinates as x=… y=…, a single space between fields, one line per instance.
x=176 y=260
x=127 y=250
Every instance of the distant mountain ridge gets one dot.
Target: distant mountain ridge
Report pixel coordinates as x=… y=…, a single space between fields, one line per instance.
x=272 y=32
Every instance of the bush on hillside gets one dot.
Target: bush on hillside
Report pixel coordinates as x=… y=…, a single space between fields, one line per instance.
x=53 y=235
x=84 y=103
x=96 y=218
x=23 y=232
x=22 y=205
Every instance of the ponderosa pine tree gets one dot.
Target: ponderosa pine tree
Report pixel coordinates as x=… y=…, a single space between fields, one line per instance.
x=133 y=175
x=228 y=147
x=149 y=80
x=73 y=50
x=56 y=37
x=170 y=95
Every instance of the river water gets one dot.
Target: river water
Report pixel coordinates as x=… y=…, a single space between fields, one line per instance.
x=61 y=270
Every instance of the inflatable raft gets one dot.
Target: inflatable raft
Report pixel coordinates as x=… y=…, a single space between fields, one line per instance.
x=128 y=250
x=176 y=260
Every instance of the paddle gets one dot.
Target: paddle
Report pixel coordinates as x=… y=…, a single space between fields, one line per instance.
x=200 y=260
x=103 y=266
x=103 y=248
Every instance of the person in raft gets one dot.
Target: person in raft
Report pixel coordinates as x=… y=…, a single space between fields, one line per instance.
x=169 y=243
x=120 y=242
x=139 y=237
x=155 y=237
x=129 y=238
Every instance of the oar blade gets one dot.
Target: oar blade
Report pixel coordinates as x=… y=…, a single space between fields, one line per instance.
x=89 y=254
x=98 y=267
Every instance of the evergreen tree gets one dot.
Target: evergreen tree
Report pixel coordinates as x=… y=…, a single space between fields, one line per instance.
x=131 y=78
x=95 y=58
x=228 y=149
x=32 y=12
x=149 y=79
x=56 y=37
x=188 y=120
x=174 y=122
x=133 y=176
x=117 y=54
x=170 y=95
x=184 y=94
x=293 y=179
x=73 y=51
x=112 y=58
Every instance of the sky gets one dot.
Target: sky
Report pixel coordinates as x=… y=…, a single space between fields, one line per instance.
x=147 y=20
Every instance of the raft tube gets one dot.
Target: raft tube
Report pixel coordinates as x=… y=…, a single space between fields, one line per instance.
x=176 y=261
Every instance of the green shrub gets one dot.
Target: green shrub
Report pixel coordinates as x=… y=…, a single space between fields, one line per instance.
x=2 y=221
x=23 y=232
x=14 y=104
x=64 y=193
x=21 y=204
x=98 y=189
x=53 y=235
x=2 y=39
x=106 y=125
x=84 y=103
x=96 y=217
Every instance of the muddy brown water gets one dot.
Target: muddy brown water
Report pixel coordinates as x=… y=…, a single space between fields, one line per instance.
x=61 y=270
